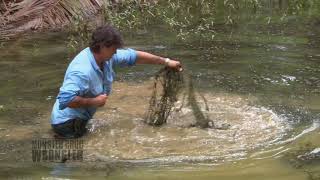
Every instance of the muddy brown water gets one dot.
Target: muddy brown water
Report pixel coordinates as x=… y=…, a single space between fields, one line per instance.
x=267 y=89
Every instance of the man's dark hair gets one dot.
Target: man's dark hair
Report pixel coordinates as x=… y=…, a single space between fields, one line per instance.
x=105 y=36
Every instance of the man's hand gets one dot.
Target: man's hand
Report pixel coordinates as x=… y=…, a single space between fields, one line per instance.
x=175 y=65
x=147 y=58
x=100 y=100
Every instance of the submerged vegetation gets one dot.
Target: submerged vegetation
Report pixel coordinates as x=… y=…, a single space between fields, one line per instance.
x=160 y=106
x=170 y=87
x=304 y=156
x=298 y=157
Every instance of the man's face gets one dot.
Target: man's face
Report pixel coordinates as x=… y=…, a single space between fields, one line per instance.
x=107 y=52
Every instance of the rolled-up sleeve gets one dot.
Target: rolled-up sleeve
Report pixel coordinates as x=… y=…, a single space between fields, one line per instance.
x=125 y=57
x=75 y=84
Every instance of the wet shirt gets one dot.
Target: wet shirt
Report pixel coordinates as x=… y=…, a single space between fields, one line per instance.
x=84 y=78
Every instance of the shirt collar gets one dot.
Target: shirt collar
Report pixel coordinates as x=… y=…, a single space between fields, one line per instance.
x=92 y=60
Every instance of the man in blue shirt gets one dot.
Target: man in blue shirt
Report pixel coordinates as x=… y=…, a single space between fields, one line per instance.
x=88 y=80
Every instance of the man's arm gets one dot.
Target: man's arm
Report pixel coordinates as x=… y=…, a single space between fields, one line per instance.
x=88 y=102
x=129 y=57
x=147 y=58
x=74 y=87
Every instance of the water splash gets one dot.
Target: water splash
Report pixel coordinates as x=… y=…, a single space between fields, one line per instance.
x=129 y=139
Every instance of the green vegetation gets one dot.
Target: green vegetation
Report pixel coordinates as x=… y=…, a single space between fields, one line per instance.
x=203 y=21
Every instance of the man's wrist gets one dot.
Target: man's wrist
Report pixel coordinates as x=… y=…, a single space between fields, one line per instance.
x=166 y=61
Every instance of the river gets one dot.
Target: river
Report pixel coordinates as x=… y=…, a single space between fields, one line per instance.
x=263 y=82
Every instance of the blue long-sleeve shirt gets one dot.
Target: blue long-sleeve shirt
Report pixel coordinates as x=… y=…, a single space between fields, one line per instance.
x=84 y=78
